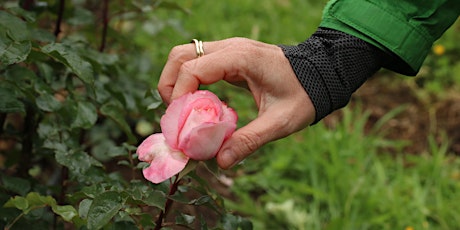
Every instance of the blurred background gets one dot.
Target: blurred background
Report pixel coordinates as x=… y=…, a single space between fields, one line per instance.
x=389 y=160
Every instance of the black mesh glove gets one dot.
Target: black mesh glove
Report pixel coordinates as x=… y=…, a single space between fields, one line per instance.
x=331 y=66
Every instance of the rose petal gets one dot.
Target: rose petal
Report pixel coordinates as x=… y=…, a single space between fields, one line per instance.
x=228 y=114
x=204 y=141
x=164 y=161
x=179 y=110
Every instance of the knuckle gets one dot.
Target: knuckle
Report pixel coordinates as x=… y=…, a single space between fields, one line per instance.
x=186 y=68
x=177 y=54
x=249 y=143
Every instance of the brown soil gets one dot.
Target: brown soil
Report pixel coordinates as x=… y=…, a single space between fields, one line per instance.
x=424 y=113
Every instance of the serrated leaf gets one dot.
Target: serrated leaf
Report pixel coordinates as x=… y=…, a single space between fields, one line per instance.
x=115 y=112
x=8 y=102
x=156 y=199
x=71 y=59
x=67 y=212
x=86 y=115
x=48 y=103
x=78 y=162
x=104 y=207
x=15 y=45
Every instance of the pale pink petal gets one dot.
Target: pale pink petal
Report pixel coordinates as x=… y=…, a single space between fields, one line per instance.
x=204 y=141
x=179 y=110
x=228 y=114
x=170 y=120
x=164 y=161
x=203 y=111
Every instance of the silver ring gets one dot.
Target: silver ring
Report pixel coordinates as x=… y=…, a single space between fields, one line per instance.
x=198 y=47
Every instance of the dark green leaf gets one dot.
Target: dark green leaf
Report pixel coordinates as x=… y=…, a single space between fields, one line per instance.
x=77 y=161
x=115 y=112
x=8 y=101
x=71 y=59
x=231 y=222
x=201 y=200
x=86 y=115
x=48 y=103
x=155 y=198
x=16 y=184
x=81 y=16
x=104 y=207
x=14 y=39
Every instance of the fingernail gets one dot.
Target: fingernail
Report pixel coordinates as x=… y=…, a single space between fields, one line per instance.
x=229 y=158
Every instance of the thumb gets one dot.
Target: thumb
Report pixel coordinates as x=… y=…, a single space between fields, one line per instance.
x=248 y=139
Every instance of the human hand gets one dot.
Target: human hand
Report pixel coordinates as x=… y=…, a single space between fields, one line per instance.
x=284 y=106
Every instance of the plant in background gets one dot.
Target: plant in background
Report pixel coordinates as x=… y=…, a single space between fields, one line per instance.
x=73 y=93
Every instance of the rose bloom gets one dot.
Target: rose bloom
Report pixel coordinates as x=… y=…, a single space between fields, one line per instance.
x=194 y=127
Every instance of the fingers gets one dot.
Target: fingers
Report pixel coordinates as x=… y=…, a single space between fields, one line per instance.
x=184 y=72
x=178 y=57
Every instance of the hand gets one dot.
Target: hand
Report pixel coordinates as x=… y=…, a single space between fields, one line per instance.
x=284 y=106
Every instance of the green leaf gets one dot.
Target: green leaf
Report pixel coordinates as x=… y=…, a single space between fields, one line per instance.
x=16 y=184
x=15 y=45
x=8 y=102
x=201 y=200
x=156 y=199
x=36 y=200
x=184 y=219
x=67 y=56
x=77 y=161
x=191 y=165
x=81 y=16
x=48 y=103
x=83 y=208
x=86 y=115
x=230 y=221
x=18 y=202
x=115 y=112
x=67 y=212
x=104 y=207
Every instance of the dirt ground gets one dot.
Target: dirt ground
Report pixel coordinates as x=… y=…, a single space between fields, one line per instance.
x=423 y=113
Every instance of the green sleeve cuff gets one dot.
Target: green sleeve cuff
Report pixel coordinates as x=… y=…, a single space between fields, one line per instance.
x=388 y=30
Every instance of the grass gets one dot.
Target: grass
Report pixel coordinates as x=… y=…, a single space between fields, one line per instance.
x=321 y=178
x=341 y=179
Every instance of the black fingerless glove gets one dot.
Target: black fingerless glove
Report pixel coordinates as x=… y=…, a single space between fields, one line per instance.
x=331 y=66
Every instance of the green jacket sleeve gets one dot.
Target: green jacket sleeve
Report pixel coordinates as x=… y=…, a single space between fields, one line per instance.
x=406 y=28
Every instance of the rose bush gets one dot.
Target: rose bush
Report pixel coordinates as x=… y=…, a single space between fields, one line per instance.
x=194 y=127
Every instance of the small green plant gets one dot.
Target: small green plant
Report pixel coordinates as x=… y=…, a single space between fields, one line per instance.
x=75 y=100
x=340 y=178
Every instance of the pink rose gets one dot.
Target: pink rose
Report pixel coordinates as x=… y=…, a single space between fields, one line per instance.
x=194 y=127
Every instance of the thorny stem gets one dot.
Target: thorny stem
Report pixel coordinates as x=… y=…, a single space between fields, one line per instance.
x=105 y=25
x=57 y=30
x=168 y=203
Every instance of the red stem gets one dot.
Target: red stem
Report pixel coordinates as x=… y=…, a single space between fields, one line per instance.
x=168 y=203
x=105 y=25
x=57 y=30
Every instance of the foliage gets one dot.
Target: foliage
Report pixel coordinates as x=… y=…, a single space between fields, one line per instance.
x=340 y=178
x=75 y=100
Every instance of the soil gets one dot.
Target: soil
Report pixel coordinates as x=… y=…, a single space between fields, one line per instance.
x=424 y=113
